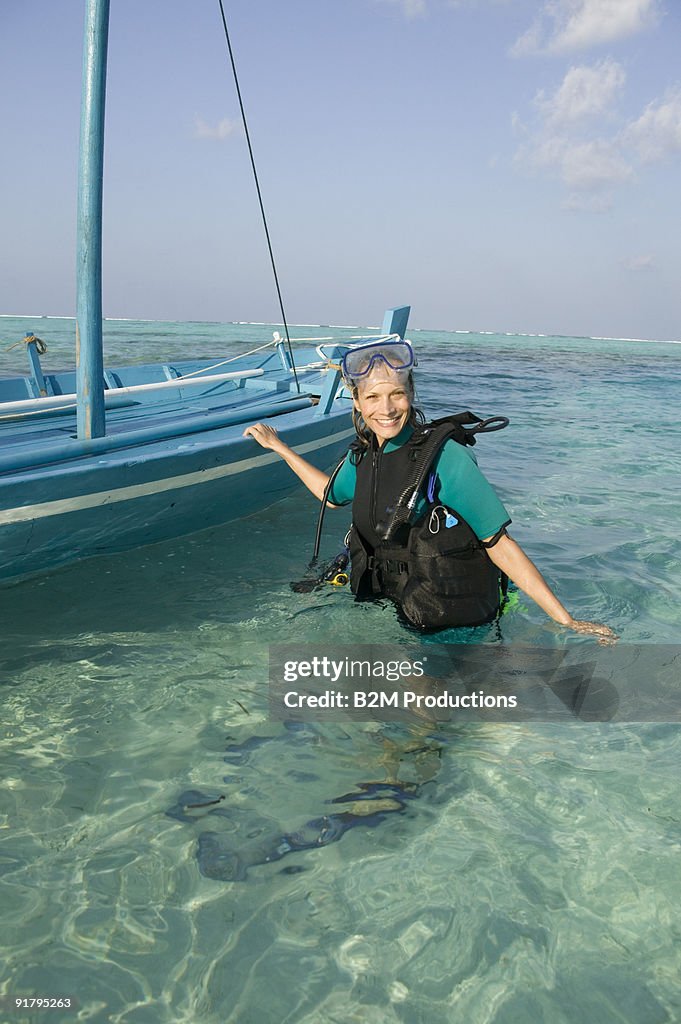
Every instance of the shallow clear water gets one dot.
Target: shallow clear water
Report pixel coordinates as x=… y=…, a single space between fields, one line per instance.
x=488 y=873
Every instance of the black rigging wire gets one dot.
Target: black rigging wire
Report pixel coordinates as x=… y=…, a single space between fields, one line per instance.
x=257 y=187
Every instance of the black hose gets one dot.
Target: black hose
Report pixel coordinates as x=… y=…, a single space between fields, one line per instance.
x=322 y=510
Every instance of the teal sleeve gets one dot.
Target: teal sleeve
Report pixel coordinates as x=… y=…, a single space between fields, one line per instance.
x=464 y=489
x=343 y=489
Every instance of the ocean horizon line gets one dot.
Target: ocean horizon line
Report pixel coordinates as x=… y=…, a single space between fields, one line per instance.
x=353 y=327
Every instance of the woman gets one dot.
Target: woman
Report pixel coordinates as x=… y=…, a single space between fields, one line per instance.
x=443 y=560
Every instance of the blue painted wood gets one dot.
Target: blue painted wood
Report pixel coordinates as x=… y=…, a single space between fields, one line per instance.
x=333 y=378
x=395 y=320
x=170 y=464
x=89 y=358
x=158 y=430
x=40 y=387
x=150 y=493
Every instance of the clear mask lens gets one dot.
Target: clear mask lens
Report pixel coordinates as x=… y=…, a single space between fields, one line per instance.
x=359 y=362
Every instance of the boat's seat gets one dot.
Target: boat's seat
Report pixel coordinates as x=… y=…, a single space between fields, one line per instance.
x=129 y=376
x=14 y=389
x=62 y=383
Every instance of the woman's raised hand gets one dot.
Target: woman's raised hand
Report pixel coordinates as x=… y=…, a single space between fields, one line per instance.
x=265 y=436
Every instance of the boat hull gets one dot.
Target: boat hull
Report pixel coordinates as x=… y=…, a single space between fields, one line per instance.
x=173 y=459
x=53 y=515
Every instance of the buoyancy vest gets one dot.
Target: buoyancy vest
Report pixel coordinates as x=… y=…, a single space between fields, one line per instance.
x=433 y=567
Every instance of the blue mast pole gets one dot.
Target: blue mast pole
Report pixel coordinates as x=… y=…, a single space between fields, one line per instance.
x=89 y=357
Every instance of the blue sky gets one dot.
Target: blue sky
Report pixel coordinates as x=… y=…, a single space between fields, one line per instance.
x=507 y=165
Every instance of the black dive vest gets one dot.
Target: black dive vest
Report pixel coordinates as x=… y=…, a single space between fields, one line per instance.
x=434 y=568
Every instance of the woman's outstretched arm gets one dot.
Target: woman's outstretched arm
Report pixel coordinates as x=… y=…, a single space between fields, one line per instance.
x=511 y=559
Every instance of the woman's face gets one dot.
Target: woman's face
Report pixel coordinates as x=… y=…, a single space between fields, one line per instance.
x=384 y=400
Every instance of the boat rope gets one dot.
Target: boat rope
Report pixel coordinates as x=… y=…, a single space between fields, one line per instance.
x=40 y=345
x=257 y=187
x=215 y=366
x=269 y=344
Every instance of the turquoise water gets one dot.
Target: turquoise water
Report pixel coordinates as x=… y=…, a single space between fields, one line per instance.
x=496 y=874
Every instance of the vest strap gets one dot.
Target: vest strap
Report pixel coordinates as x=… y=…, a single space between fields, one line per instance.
x=387 y=564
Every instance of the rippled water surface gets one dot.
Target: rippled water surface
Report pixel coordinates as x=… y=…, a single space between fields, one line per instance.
x=168 y=853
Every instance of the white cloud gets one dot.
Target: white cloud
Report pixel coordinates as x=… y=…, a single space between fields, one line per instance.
x=638 y=263
x=586 y=92
x=221 y=130
x=657 y=132
x=529 y=42
x=573 y=138
x=567 y=25
x=579 y=136
x=569 y=138
x=410 y=8
x=590 y=166
x=582 y=165
x=416 y=8
x=478 y=3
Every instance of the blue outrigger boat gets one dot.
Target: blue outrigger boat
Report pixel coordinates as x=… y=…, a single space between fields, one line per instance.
x=95 y=461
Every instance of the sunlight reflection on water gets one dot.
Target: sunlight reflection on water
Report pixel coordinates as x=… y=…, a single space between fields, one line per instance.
x=533 y=874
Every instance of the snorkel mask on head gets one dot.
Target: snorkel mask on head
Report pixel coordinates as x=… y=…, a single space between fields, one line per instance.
x=358 y=363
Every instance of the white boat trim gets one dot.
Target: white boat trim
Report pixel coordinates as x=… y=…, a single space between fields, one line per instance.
x=61 y=506
x=48 y=402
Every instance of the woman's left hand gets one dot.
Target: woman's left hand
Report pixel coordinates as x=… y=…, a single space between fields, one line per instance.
x=604 y=633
